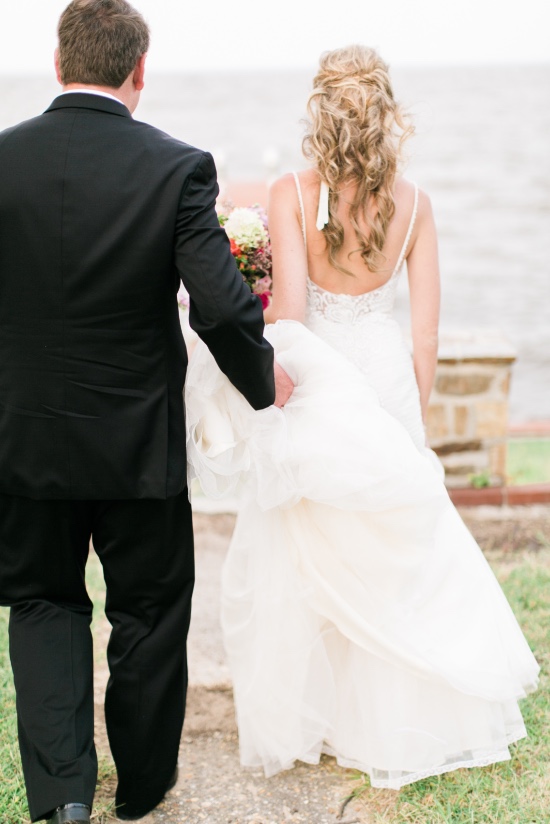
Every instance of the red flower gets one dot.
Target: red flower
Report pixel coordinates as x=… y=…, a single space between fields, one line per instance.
x=235 y=250
x=264 y=297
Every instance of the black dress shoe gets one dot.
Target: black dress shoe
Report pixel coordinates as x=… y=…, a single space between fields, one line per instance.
x=71 y=814
x=136 y=815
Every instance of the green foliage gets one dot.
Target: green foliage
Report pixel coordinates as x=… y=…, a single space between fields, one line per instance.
x=481 y=480
x=528 y=461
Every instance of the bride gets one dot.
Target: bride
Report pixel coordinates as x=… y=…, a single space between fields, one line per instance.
x=360 y=617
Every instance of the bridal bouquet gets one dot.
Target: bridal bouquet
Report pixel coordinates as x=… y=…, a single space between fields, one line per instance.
x=246 y=229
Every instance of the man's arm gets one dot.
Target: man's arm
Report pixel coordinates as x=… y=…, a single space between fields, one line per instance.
x=222 y=311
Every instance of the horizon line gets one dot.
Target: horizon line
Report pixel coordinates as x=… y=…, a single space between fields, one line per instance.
x=154 y=72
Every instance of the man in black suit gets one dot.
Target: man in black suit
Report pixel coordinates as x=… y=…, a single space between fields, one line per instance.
x=100 y=217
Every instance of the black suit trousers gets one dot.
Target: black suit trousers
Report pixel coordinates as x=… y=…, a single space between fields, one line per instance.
x=146 y=550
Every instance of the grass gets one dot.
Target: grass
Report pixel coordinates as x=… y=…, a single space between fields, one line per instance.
x=13 y=800
x=528 y=461
x=514 y=792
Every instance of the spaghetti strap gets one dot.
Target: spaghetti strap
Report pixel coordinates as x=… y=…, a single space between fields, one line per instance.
x=401 y=257
x=301 y=200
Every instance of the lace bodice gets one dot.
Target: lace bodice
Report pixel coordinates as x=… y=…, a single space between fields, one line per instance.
x=351 y=308
x=344 y=308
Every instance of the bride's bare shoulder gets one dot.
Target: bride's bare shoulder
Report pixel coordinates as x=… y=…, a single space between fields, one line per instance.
x=404 y=195
x=282 y=186
x=285 y=186
x=403 y=189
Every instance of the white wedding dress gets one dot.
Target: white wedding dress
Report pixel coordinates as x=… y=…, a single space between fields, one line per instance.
x=360 y=617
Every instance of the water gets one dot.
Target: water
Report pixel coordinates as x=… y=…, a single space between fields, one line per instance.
x=482 y=151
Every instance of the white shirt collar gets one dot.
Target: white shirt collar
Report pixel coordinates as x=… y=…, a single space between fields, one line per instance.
x=92 y=91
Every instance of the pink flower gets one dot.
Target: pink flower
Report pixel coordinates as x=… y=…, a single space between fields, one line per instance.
x=264 y=297
x=183 y=298
x=262 y=285
x=262 y=214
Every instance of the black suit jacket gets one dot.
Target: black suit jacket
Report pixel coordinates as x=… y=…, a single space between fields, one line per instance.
x=100 y=217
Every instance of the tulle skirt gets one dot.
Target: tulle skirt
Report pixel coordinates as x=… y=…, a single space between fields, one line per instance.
x=359 y=615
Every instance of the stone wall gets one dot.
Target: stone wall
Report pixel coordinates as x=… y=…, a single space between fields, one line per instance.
x=468 y=413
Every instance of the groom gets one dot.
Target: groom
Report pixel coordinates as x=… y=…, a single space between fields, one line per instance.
x=100 y=217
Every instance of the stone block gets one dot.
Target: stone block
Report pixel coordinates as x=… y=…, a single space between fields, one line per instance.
x=475 y=346
x=491 y=419
x=437 y=423
x=450 y=447
x=457 y=482
x=463 y=383
x=462 y=421
x=465 y=463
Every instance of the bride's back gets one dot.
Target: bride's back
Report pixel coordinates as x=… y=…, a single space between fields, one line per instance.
x=358 y=277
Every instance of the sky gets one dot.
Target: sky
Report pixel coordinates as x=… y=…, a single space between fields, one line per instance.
x=200 y=35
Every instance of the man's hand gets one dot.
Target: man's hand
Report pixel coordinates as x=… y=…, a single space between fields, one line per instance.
x=283 y=386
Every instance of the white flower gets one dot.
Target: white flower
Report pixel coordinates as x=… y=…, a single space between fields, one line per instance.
x=245 y=227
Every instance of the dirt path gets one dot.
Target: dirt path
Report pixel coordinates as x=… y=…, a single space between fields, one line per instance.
x=212 y=786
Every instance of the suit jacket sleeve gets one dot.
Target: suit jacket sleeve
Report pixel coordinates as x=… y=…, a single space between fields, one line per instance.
x=223 y=311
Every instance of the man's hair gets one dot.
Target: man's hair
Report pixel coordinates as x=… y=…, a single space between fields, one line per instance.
x=100 y=42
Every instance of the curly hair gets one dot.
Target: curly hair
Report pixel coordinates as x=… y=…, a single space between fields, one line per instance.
x=355 y=134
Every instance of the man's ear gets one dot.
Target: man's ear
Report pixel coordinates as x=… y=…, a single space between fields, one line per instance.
x=57 y=69
x=139 y=73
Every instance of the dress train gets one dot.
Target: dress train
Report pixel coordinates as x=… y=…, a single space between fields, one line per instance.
x=359 y=615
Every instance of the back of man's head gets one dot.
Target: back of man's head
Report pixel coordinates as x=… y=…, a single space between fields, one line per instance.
x=100 y=42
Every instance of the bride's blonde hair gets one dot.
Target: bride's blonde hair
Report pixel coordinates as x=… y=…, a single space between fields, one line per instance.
x=355 y=134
